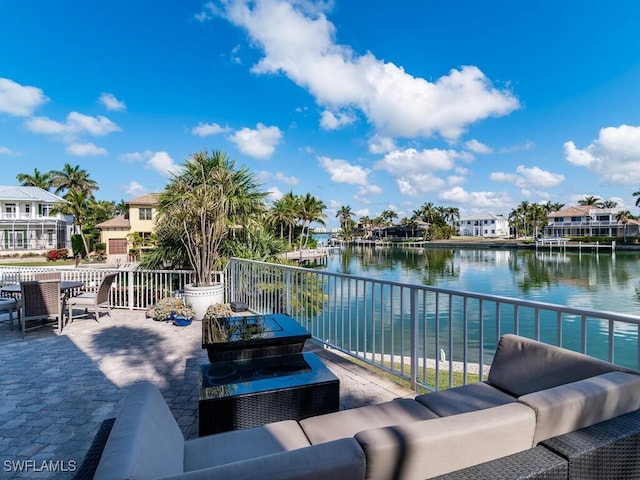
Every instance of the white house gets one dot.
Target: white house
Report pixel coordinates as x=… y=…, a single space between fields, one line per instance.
x=589 y=221
x=27 y=224
x=483 y=225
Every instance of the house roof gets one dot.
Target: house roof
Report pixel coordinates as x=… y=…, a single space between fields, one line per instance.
x=147 y=199
x=483 y=216
x=20 y=193
x=581 y=211
x=117 y=222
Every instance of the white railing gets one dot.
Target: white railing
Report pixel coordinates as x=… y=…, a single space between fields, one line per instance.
x=403 y=327
x=133 y=289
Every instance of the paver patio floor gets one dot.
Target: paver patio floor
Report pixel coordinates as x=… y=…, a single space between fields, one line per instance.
x=55 y=390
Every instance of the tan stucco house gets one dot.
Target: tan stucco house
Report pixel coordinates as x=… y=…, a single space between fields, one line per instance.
x=115 y=232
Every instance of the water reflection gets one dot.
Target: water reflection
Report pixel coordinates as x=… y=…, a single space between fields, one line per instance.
x=602 y=281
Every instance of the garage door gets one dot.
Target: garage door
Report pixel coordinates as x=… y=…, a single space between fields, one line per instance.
x=117 y=246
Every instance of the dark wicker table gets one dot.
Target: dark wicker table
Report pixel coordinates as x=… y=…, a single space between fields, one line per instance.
x=253 y=336
x=252 y=392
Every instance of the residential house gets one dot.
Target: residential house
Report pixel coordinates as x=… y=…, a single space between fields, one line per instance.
x=483 y=225
x=27 y=224
x=589 y=221
x=140 y=218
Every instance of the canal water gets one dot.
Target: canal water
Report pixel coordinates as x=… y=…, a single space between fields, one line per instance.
x=603 y=280
x=598 y=281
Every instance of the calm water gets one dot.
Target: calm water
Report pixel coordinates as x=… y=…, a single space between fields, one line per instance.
x=603 y=281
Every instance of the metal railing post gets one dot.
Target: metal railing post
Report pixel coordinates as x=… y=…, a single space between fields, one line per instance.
x=413 y=372
x=130 y=289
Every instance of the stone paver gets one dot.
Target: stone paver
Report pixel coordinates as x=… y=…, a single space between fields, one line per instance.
x=55 y=390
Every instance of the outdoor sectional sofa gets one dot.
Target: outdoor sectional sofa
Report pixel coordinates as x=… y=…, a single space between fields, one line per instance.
x=544 y=412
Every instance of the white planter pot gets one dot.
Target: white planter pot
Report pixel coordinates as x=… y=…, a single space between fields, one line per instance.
x=201 y=297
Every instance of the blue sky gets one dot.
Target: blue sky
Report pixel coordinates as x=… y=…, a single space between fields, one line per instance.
x=372 y=104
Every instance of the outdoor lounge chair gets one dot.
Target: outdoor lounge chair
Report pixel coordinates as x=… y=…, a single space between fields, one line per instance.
x=96 y=301
x=41 y=301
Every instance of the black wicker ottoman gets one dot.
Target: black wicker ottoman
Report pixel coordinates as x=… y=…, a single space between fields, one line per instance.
x=607 y=450
x=253 y=392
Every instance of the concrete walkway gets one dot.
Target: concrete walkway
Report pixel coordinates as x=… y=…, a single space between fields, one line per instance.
x=55 y=390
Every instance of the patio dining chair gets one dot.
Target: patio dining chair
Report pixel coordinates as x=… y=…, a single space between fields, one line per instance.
x=9 y=306
x=41 y=301
x=47 y=276
x=96 y=301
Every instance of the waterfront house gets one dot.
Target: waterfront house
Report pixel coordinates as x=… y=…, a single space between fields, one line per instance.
x=483 y=225
x=115 y=233
x=27 y=224
x=589 y=221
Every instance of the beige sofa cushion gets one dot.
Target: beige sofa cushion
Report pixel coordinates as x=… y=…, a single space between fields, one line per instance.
x=580 y=404
x=429 y=448
x=467 y=398
x=522 y=366
x=239 y=445
x=339 y=460
x=346 y=423
x=145 y=441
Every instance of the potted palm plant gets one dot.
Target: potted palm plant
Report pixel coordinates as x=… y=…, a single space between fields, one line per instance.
x=203 y=203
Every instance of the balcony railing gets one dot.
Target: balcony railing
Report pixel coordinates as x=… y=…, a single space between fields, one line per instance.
x=403 y=328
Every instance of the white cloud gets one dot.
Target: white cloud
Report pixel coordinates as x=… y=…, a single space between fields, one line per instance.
x=85 y=150
x=342 y=171
x=285 y=179
x=477 y=200
x=111 y=103
x=299 y=41
x=259 y=143
x=19 y=100
x=478 y=147
x=411 y=161
x=135 y=189
x=162 y=163
x=333 y=121
x=614 y=155
x=528 y=178
x=207 y=129
x=76 y=123
x=7 y=151
x=379 y=144
x=134 y=157
x=274 y=194
x=363 y=193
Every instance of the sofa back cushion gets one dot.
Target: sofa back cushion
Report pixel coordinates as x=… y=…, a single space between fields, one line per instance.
x=145 y=441
x=580 y=404
x=522 y=366
x=434 y=447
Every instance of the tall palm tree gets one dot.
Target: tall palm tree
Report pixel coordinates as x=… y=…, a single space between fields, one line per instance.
x=37 y=179
x=311 y=210
x=72 y=178
x=591 y=200
x=637 y=194
x=388 y=216
x=624 y=217
x=283 y=214
x=609 y=204
x=76 y=203
x=344 y=214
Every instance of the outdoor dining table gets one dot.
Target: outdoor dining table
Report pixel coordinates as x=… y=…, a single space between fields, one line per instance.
x=65 y=286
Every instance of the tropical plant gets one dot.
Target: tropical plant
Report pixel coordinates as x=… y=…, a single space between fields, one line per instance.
x=77 y=204
x=163 y=309
x=637 y=194
x=346 y=222
x=73 y=179
x=311 y=210
x=207 y=200
x=591 y=200
x=283 y=214
x=37 y=179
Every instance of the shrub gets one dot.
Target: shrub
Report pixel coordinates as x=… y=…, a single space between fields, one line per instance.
x=52 y=255
x=163 y=309
x=62 y=254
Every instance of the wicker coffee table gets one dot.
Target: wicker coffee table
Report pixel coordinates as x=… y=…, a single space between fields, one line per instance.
x=253 y=336
x=252 y=392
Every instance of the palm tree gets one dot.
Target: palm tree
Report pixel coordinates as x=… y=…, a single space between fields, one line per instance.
x=37 y=179
x=72 y=178
x=344 y=214
x=388 y=216
x=283 y=213
x=637 y=194
x=609 y=204
x=591 y=200
x=76 y=203
x=624 y=217
x=311 y=210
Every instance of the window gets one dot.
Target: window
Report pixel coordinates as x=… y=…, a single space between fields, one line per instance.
x=145 y=214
